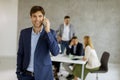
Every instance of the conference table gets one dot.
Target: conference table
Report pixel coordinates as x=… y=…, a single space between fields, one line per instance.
x=70 y=59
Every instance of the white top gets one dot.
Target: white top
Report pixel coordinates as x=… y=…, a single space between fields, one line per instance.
x=65 y=35
x=93 y=61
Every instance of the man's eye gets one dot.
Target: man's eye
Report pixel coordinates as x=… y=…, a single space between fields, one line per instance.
x=34 y=16
x=40 y=16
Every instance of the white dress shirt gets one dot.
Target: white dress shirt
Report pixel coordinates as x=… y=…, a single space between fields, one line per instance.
x=65 y=35
x=93 y=61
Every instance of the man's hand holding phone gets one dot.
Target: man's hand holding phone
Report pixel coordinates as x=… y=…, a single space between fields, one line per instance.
x=46 y=23
x=71 y=43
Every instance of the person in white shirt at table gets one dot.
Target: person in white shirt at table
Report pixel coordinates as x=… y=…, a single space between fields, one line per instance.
x=93 y=62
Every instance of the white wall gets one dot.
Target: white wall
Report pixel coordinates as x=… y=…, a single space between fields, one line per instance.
x=8 y=27
x=98 y=18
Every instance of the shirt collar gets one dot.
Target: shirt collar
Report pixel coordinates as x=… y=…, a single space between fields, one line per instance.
x=39 y=32
x=66 y=25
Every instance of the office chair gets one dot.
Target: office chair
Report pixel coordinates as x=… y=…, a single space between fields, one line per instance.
x=104 y=64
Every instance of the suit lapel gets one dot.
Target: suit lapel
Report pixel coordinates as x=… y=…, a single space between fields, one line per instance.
x=41 y=36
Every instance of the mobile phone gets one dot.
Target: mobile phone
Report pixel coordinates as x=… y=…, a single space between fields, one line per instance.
x=44 y=22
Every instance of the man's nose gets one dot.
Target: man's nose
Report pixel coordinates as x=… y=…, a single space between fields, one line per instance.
x=37 y=18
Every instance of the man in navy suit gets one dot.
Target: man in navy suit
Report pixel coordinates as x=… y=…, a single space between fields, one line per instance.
x=35 y=44
x=75 y=48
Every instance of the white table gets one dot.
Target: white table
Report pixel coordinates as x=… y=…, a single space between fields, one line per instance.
x=66 y=59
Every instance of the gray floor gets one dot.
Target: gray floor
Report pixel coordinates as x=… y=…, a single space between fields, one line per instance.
x=8 y=65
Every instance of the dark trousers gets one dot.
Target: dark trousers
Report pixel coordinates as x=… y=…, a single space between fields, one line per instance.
x=56 y=66
x=26 y=77
x=64 y=44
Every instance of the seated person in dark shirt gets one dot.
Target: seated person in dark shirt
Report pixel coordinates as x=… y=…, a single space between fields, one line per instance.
x=75 y=48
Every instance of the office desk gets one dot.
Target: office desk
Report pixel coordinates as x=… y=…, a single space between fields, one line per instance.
x=66 y=59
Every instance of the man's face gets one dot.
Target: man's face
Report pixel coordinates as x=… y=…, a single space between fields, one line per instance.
x=67 y=21
x=37 y=19
x=75 y=41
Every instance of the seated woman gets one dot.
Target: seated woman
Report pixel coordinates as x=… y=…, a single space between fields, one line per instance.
x=92 y=60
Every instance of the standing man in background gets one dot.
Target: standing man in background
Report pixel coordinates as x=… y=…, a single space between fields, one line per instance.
x=35 y=43
x=65 y=32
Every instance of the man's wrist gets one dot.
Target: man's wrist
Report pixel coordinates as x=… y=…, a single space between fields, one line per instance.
x=47 y=31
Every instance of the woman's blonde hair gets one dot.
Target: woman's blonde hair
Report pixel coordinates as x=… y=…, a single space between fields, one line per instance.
x=88 y=41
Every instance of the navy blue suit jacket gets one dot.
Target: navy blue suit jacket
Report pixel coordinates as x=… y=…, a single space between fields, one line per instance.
x=79 y=50
x=42 y=62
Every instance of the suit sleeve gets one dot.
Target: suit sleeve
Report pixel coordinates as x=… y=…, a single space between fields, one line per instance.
x=73 y=29
x=52 y=43
x=69 y=50
x=81 y=52
x=20 y=55
x=58 y=31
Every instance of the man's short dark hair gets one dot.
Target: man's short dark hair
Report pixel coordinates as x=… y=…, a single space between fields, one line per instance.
x=74 y=37
x=34 y=9
x=67 y=17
